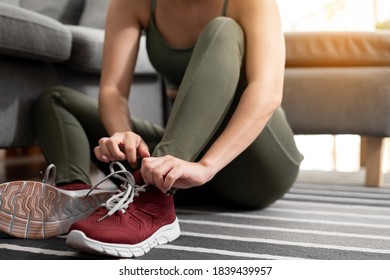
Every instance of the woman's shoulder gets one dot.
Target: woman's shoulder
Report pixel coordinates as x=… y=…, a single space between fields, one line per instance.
x=254 y=14
x=138 y=9
x=239 y=8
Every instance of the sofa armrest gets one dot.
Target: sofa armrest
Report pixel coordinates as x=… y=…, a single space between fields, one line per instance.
x=31 y=35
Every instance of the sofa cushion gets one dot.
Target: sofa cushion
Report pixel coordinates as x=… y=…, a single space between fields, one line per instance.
x=65 y=11
x=11 y=2
x=87 y=48
x=87 y=51
x=308 y=49
x=27 y=34
x=94 y=13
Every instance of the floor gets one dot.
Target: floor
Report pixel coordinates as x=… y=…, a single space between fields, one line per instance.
x=326 y=215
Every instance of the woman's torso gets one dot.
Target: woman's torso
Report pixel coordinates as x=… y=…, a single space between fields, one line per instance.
x=169 y=44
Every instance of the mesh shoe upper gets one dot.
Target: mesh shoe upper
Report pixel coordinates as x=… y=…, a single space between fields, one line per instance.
x=150 y=211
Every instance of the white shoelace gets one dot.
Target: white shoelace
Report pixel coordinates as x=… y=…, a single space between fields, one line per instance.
x=50 y=175
x=125 y=193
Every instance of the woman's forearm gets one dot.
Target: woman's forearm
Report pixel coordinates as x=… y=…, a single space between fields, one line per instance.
x=249 y=119
x=114 y=111
x=122 y=34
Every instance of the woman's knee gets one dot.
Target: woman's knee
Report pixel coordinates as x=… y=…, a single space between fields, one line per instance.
x=224 y=26
x=52 y=98
x=224 y=32
x=44 y=101
x=51 y=94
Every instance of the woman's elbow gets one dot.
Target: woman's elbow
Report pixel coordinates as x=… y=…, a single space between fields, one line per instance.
x=275 y=96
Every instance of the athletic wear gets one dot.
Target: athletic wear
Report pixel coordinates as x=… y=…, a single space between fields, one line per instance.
x=207 y=98
x=211 y=82
x=170 y=62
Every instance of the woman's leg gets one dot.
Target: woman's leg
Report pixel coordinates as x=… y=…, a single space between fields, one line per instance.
x=265 y=171
x=67 y=123
x=206 y=100
x=206 y=92
x=69 y=127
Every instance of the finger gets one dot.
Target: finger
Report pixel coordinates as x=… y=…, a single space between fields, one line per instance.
x=103 y=156
x=143 y=150
x=99 y=155
x=166 y=174
x=131 y=154
x=103 y=147
x=114 y=150
x=147 y=168
x=171 y=178
x=134 y=147
x=158 y=179
x=159 y=176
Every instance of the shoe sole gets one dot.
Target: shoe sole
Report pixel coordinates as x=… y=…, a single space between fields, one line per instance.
x=36 y=210
x=79 y=241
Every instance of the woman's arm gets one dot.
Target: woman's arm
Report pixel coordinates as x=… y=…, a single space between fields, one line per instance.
x=265 y=60
x=123 y=29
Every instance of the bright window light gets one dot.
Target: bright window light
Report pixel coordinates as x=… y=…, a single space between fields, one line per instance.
x=333 y=15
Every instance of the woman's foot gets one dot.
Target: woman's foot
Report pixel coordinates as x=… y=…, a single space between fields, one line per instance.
x=129 y=224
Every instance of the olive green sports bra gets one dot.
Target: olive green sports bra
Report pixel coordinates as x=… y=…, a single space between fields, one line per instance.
x=170 y=62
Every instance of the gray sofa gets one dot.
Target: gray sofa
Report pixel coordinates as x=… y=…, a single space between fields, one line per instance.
x=46 y=43
x=335 y=83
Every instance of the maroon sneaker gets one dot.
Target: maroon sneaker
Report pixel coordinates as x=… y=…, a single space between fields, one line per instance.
x=38 y=210
x=129 y=224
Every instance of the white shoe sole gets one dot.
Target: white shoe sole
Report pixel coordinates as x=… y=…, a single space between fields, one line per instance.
x=79 y=241
x=36 y=210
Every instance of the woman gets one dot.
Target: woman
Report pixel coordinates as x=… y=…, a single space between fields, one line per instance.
x=223 y=64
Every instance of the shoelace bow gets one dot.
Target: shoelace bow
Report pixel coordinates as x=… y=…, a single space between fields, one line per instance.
x=125 y=193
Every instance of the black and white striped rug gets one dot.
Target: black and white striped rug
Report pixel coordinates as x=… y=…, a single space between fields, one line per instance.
x=314 y=220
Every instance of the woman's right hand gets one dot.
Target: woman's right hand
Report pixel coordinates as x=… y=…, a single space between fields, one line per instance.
x=122 y=146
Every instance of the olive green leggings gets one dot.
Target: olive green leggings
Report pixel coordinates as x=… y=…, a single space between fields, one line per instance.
x=69 y=127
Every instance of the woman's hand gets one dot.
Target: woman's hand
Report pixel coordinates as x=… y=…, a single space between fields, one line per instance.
x=169 y=172
x=122 y=146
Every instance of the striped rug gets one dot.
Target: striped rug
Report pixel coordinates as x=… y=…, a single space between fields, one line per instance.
x=315 y=220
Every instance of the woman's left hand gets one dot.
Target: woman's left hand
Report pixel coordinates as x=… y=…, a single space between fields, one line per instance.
x=169 y=172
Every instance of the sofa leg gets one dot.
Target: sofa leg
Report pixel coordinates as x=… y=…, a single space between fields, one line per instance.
x=373 y=161
x=363 y=150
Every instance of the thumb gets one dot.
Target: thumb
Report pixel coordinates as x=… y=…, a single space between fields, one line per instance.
x=143 y=150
